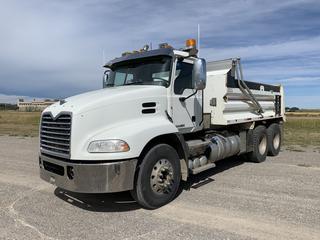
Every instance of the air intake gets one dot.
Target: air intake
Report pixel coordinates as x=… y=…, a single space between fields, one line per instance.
x=148 y=107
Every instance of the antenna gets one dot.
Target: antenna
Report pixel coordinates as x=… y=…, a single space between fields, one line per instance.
x=103 y=58
x=198 y=40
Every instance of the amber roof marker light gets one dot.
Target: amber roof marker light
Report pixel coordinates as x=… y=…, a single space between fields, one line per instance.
x=191 y=47
x=191 y=43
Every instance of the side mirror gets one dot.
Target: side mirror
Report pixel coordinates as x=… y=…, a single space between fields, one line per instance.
x=106 y=75
x=199 y=75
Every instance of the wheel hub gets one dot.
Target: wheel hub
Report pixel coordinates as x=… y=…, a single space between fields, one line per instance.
x=276 y=141
x=161 y=178
x=263 y=145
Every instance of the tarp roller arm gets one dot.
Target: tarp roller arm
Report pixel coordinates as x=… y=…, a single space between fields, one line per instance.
x=243 y=86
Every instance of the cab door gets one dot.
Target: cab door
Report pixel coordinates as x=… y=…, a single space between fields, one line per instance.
x=186 y=102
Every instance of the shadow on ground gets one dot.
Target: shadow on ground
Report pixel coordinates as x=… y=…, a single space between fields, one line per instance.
x=203 y=178
x=121 y=202
x=100 y=202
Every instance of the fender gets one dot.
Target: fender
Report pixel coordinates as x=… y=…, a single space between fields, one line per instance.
x=136 y=132
x=176 y=140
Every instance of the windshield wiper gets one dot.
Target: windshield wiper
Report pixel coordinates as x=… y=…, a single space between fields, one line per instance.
x=133 y=83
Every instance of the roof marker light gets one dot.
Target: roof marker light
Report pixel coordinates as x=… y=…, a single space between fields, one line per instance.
x=191 y=43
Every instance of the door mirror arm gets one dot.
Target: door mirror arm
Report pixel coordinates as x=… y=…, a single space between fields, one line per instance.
x=182 y=99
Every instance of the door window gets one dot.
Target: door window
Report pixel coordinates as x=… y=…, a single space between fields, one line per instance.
x=183 y=77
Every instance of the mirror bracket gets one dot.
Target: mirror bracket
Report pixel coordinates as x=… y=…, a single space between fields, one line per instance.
x=182 y=99
x=105 y=78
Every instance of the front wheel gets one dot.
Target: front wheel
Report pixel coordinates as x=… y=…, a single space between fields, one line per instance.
x=158 y=177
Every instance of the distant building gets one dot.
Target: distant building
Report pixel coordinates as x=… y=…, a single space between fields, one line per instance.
x=35 y=105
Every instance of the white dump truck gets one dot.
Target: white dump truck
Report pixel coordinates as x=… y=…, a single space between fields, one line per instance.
x=162 y=116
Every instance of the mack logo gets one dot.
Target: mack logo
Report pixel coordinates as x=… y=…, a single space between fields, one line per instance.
x=181 y=125
x=54 y=117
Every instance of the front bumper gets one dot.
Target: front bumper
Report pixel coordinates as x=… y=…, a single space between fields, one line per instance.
x=86 y=177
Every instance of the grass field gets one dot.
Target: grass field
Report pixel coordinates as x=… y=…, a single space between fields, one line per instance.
x=301 y=129
x=308 y=114
x=15 y=123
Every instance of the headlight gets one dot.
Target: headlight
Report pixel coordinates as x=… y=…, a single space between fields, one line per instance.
x=108 y=146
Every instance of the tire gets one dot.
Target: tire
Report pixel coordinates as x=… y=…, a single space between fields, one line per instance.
x=260 y=145
x=161 y=163
x=274 y=139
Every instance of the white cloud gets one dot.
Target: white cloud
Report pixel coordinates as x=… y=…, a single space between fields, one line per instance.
x=54 y=48
x=288 y=49
x=300 y=81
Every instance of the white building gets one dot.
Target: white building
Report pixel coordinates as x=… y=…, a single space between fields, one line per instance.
x=35 y=105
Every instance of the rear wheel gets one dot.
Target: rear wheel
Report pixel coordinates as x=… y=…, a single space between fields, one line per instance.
x=260 y=145
x=158 y=177
x=274 y=139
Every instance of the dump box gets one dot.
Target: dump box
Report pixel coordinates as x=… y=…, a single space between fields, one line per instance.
x=228 y=99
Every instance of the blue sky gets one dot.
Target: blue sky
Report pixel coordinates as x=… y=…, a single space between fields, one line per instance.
x=54 y=48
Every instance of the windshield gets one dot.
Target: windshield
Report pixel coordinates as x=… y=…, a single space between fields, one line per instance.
x=148 y=71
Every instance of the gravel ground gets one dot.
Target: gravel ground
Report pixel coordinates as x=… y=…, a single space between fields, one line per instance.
x=277 y=199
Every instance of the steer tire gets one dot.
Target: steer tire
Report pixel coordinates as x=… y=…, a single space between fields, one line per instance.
x=274 y=139
x=160 y=164
x=260 y=145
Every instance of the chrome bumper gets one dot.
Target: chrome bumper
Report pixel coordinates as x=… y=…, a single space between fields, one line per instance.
x=88 y=177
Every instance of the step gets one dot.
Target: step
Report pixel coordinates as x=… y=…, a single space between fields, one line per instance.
x=202 y=168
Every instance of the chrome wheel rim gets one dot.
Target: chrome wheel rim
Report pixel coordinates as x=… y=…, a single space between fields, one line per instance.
x=263 y=145
x=276 y=141
x=161 y=179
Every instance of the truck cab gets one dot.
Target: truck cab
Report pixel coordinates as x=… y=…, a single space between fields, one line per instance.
x=152 y=125
x=171 y=71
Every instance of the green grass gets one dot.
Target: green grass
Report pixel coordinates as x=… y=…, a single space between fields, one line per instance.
x=14 y=123
x=298 y=131
x=302 y=131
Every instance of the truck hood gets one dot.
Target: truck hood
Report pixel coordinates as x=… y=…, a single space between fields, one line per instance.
x=101 y=98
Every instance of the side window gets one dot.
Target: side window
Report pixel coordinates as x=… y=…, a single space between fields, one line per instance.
x=183 y=77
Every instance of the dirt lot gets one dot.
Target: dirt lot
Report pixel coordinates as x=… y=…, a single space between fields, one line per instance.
x=277 y=199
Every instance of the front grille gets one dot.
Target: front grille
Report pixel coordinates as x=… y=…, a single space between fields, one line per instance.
x=55 y=135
